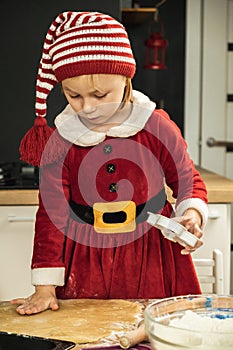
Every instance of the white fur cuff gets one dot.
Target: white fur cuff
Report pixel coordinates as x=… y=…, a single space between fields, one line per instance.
x=197 y=204
x=48 y=276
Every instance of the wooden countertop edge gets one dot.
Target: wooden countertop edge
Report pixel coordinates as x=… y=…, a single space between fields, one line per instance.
x=30 y=197
x=18 y=197
x=220 y=190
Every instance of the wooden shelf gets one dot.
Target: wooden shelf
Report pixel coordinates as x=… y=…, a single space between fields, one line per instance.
x=137 y=15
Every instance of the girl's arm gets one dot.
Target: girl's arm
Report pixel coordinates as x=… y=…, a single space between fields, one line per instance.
x=48 y=268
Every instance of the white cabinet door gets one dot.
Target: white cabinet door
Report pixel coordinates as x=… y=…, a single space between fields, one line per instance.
x=217 y=235
x=208 y=82
x=16 y=241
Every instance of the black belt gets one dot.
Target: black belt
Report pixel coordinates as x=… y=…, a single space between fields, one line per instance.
x=85 y=214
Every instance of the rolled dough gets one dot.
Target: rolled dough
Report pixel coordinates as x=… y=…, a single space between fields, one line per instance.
x=80 y=320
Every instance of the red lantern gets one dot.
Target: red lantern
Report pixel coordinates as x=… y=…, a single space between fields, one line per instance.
x=155 y=51
x=156 y=44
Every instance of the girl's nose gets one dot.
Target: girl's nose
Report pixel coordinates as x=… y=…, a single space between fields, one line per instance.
x=88 y=107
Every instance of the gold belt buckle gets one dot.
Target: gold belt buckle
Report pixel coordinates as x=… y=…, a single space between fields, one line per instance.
x=126 y=208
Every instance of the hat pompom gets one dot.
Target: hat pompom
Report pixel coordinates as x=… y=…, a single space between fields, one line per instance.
x=55 y=150
x=33 y=143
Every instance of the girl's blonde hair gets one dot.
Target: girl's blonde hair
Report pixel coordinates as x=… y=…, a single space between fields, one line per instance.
x=128 y=91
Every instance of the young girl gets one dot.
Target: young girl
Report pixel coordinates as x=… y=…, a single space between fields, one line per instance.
x=103 y=168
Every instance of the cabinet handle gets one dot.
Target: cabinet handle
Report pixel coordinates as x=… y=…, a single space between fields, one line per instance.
x=213 y=215
x=14 y=218
x=211 y=142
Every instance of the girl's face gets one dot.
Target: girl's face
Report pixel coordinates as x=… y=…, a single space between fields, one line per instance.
x=96 y=99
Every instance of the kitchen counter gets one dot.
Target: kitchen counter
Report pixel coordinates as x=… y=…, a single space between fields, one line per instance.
x=18 y=197
x=220 y=190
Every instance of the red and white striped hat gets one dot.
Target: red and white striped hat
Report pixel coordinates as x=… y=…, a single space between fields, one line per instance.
x=77 y=43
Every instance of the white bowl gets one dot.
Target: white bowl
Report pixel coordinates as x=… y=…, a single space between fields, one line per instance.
x=191 y=322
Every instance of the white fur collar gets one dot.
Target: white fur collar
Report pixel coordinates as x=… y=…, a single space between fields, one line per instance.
x=72 y=129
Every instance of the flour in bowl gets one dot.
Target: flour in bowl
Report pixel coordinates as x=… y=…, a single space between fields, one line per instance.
x=217 y=329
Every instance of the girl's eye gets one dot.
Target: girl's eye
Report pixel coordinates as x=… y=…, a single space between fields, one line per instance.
x=76 y=96
x=100 y=96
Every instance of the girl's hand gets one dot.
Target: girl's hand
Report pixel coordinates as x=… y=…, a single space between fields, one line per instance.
x=192 y=221
x=44 y=298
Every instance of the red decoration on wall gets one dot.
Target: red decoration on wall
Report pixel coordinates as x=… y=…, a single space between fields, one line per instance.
x=156 y=44
x=155 y=51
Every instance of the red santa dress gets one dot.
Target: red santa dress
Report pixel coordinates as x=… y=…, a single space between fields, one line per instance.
x=129 y=164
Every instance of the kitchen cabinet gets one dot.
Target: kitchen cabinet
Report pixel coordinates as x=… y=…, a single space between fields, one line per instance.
x=217 y=235
x=208 y=90
x=16 y=241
